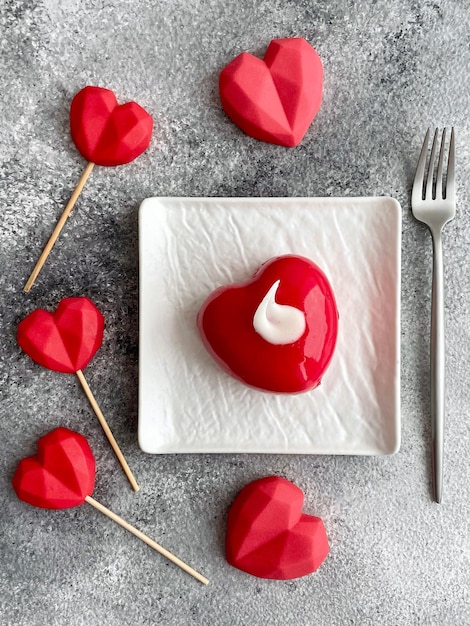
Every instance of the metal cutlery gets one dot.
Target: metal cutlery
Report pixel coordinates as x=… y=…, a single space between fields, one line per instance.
x=433 y=203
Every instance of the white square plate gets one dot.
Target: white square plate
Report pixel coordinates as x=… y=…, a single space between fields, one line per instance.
x=191 y=246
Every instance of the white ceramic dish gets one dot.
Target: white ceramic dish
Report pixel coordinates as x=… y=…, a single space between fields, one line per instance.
x=191 y=246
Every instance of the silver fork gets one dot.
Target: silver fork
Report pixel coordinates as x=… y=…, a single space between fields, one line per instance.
x=435 y=207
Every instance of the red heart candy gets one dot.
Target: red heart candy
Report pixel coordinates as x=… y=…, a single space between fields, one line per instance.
x=226 y=325
x=61 y=475
x=267 y=534
x=106 y=133
x=64 y=341
x=274 y=99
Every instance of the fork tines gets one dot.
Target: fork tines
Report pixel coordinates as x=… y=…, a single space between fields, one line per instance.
x=432 y=186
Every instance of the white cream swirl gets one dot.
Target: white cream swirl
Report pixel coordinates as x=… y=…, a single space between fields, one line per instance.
x=278 y=324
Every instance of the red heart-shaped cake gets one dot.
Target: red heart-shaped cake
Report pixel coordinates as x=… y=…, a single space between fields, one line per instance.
x=276 y=98
x=277 y=332
x=268 y=535
x=62 y=473
x=106 y=133
x=64 y=341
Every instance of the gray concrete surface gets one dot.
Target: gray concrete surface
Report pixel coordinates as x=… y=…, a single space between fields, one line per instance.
x=392 y=68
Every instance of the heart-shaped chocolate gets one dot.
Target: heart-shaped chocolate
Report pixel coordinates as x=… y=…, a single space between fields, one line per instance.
x=276 y=98
x=277 y=332
x=106 y=133
x=268 y=535
x=64 y=341
x=62 y=473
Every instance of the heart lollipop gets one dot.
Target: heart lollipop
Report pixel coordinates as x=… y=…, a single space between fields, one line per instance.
x=276 y=98
x=104 y=133
x=268 y=535
x=62 y=475
x=66 y=341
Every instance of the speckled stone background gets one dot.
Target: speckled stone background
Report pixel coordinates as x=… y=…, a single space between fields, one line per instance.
x=392 y=68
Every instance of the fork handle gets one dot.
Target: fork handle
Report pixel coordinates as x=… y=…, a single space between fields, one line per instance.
x=437 y=367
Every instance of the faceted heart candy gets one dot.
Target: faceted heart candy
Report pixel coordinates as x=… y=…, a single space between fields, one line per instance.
x=106 y=133
x=268 y=535
x=62 y=473
x=66 y=340
x=277 y=331
x=274 y=99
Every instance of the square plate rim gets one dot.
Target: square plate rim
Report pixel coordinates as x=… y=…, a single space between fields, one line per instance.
x=396 y=211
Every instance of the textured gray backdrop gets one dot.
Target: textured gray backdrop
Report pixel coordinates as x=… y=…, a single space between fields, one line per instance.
x=392 y=67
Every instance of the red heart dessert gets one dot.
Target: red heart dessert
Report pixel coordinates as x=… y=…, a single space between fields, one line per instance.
x=274 y=99
x=106 y=133
x=268 y=535
x=64 y=341
x=61 y=475
x=276 y=332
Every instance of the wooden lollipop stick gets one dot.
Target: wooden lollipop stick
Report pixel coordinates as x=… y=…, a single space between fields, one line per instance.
x=107 y=430
x=147 y=540
x=58 y=228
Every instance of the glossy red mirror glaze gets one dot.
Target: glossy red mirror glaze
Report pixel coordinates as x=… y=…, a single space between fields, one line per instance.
x=226 y=326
